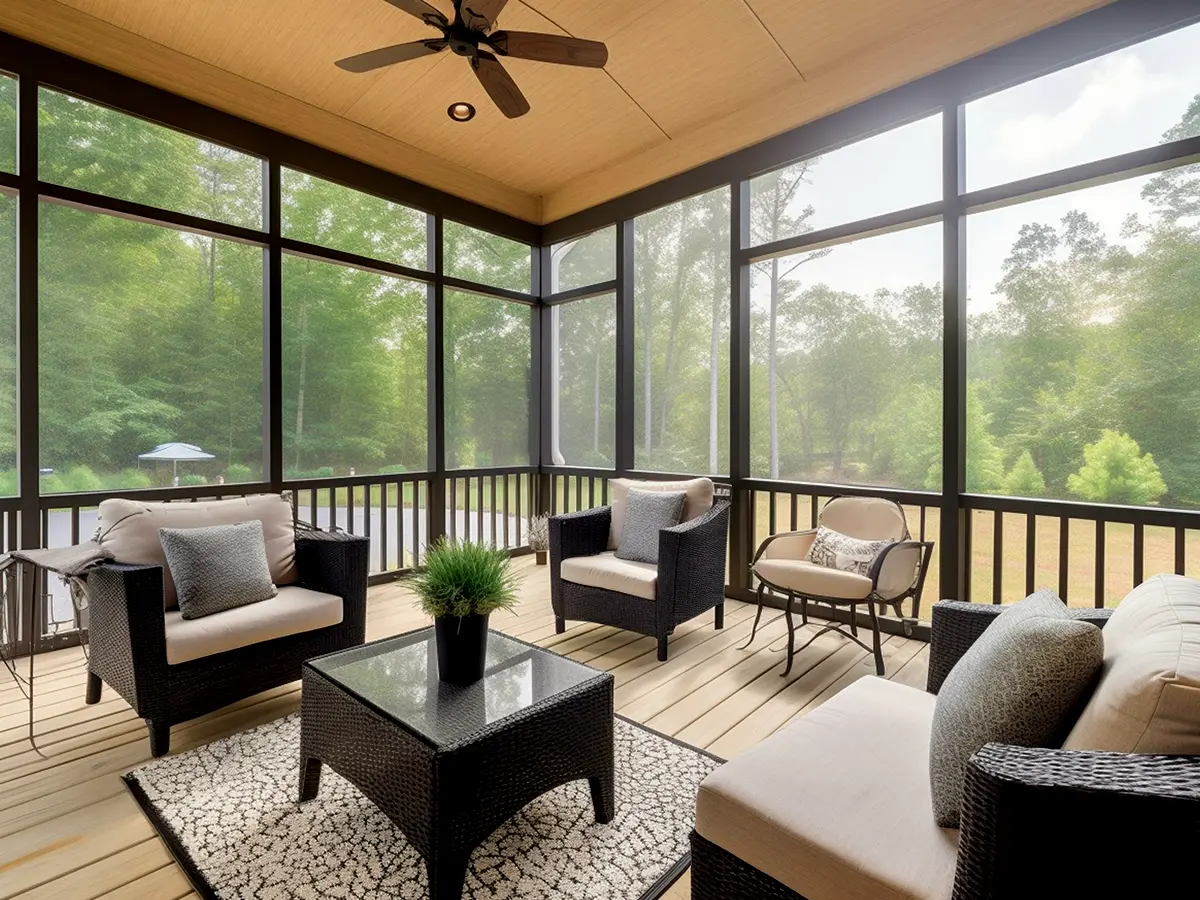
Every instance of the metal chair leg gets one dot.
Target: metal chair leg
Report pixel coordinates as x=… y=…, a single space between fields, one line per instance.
x=791 y=634
x=854 y=618
x=757 y=617
x=803 y=610
x=877 y=642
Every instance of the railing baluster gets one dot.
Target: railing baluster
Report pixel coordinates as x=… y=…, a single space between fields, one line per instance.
x=331 y=500
x=795 y=517
x=517 y=521
x=1030 y=552
x=467 y=508
x=479 y=510
x=771 y=512
x=997 y=557
x=1139 y=553
x=604 y=492
x=813 y=513
x=1180 y=549
x=923 y=510
x=495 y=543
x=1101 y=533
x=1064 y=557
x=74 y=524
x=504 y=521
x=349 y=508
x=383 y=524
x=453 y=512
x=591 y=492
x=420 y=499
x=312 y=508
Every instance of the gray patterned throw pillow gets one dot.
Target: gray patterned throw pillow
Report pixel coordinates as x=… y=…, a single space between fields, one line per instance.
x=835 y=550
x=1022 y=682
x=217 y=568
x=646 y=514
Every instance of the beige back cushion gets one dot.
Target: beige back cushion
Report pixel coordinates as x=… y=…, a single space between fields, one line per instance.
x=865 y=518
x=1148 y=697
x=698 y=500
x=129 y=528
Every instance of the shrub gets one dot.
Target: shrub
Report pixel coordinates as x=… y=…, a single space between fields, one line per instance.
x=394 y=470
x=81 y=478
x=192 y=480
x=8 y=482
x=129 y=480
x=236 y=473
x=462 y=579
x=1115 y=471
x=1025 y=479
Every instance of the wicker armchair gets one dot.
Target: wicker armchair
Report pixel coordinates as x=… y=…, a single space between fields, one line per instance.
x=690 y=574
x=1029 y=815
x=129 y=646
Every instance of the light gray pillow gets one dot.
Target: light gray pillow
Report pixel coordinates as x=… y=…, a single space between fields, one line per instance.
x=1022 y=682
x=646 y=514
x=218 y=567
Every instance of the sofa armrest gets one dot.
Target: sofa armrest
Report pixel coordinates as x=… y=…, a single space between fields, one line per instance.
x=956 y=625
x=1026 y=807
x=582 y=533
x=126 y=629
x=334 y=562
x=691 y=564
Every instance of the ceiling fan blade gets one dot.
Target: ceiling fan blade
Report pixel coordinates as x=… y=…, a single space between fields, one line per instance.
x=499 y=85
x=389 y=56
x=481 y=14
x=421 y=10
x=551 y=48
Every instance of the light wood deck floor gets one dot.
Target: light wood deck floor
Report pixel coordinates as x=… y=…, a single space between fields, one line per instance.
x=69 y=830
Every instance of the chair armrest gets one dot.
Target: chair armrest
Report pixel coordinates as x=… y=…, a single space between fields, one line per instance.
x=900 y=568
x=582 y=533
x=1025 y=807
x=786 y=545
x=334 y=562
x=691 y=563
x=126 y=631
x=956 y=625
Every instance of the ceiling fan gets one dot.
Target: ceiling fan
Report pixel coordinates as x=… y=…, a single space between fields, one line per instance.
x=470 y=35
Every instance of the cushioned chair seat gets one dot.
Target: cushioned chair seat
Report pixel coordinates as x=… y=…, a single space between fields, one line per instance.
x=808 y=578
x=605 y=571
x=292 y=611
x=838 y=806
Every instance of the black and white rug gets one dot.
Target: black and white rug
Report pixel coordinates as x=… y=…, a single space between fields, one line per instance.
x=228 y=812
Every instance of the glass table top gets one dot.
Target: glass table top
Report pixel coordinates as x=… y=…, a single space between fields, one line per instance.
x=399 y=678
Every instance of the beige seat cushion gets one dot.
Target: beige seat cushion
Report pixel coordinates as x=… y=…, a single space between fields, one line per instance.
x=697 y=501
x=605 y=571
x=129 y=528
x=292 y=611
x=1148 y=696
x=808 y=578
x=837 y=806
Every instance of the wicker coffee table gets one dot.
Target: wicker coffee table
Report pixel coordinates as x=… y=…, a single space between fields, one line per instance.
x=450 y=764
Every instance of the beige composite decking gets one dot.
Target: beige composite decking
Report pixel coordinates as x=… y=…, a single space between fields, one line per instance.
x=69 y=830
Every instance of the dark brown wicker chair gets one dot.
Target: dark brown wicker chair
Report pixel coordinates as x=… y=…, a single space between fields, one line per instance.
x=128 y=642
x=1028 y=812
x=691 y=574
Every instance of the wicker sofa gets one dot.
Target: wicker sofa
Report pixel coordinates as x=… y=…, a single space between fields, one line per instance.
x=837 y=805
x=171 y=670
x=587 y=583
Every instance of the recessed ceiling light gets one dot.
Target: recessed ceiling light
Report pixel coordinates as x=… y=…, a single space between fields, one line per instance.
x=461 y=112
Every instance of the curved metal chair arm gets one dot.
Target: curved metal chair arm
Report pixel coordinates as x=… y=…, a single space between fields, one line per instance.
x=921 y=569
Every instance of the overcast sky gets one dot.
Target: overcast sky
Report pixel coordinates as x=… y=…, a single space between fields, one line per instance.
x=1114 y=104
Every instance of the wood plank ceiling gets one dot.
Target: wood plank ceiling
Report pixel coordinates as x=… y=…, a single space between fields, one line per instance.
x=687 y=80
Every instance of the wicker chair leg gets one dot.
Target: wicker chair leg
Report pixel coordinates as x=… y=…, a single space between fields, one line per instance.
x=719 y=616
x=560 y=625
x=662 y=648
x=94 y=687
x=160 y=738
x=877 y=641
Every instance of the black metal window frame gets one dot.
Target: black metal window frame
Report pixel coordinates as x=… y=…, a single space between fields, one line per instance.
x=1109 y=28
x=1122 y=24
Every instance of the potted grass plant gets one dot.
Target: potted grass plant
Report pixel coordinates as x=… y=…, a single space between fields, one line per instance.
x=460 y=585
x=539 y=537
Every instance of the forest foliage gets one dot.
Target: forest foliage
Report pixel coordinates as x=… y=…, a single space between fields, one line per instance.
x=1081 y=380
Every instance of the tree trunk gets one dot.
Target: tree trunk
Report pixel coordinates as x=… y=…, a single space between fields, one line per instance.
x=772 y=350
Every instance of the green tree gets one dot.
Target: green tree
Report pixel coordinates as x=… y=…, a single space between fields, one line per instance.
x=1116 y=471
x=1025 y=478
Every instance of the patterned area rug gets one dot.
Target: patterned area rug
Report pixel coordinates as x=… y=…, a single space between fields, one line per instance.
x=228 y=811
